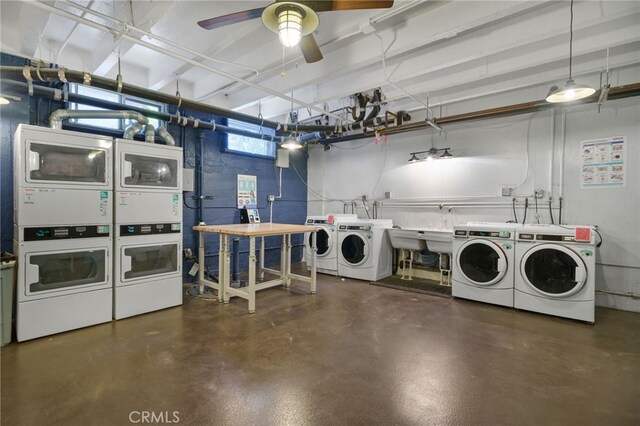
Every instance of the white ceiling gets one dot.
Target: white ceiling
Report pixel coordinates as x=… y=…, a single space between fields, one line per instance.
x=441 y=51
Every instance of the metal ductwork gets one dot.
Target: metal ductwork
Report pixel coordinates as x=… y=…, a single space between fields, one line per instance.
x=132 y=130
x=149 y=133
x=164 y=134
x=57 y=117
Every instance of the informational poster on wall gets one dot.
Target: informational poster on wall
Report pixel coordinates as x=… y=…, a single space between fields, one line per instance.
x=247 y=191
x=603 y=162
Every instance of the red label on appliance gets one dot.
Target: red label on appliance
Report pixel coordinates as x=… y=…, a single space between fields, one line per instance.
x=583 y=234
x=330 y=218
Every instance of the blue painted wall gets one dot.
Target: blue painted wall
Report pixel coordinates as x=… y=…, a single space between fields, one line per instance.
x=219 y=173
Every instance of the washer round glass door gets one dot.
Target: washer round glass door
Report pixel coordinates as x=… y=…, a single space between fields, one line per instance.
x=354 y=249
x=482 y=262
x=324 y=242
x=553 y=270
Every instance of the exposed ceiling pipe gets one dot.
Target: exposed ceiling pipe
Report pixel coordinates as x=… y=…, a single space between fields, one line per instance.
x=177 y=56
x=135 y=128
x=132 y=129
x=129 y=27
x=56 y=117
x=149 y=133
x=619 y=92
x=57 y=74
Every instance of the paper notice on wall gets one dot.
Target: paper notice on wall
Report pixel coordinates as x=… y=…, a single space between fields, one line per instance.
x=603 y=162
x=247 y=191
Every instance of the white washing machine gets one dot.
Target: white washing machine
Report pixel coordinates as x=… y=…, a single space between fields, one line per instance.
x=148 y=227
x=64 y=278
x=326 y=241
x=61 y=177
x=148 y=267
x=365 y=249
x=483 y=262
x=556 y=270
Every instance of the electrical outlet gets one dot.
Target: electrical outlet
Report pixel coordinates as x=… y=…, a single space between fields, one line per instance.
x=188 y=254
x=506 y=190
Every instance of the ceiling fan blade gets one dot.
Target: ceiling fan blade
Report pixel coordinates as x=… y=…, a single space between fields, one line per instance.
x=232 y=18
x=326 y=6
x=310 y=49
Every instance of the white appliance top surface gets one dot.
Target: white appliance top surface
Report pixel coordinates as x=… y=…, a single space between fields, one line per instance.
x=157 y=147
x=488 y=226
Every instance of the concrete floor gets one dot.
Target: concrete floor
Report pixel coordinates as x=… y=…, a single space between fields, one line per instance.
x=352 y=354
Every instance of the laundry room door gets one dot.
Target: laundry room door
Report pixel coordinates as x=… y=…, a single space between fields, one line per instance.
x=553 y=270
x=324 y=242
x=354 y=249
x=482 y=262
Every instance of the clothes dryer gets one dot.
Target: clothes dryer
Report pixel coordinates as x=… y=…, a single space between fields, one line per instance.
x=483 y=262
x=365 y=249
x=148 y=265
x=556 y=270
x=64 y=278
x=326 y=241
x=61 y=177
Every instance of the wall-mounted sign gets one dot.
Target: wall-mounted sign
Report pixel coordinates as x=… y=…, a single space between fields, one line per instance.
x=603 y=162
x=247 y=191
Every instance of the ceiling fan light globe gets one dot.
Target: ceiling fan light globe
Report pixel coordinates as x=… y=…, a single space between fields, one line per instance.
x=290 y=27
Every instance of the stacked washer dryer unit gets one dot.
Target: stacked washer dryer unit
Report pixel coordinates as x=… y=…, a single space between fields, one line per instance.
x=556 y=271
x=326 y=241
x=364 y=249
x=483 y=262
x=148 y=227
x=62 y=230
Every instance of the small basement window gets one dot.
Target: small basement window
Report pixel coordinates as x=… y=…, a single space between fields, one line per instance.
x=110 y=123
x=251 y=146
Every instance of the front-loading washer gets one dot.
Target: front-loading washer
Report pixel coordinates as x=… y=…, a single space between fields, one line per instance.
x=63 y=278
x=61 y=177
x=365 y=250
x=556 y=270
x=326 y=241
x=483 y=262
x=148 y=265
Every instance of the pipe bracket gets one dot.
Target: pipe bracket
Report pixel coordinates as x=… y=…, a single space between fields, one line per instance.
x=86 y=79
x=57 y=94
x=26 y=72
x=119 y=83
x=196 y=123
x=38 y=71
x=62 y=75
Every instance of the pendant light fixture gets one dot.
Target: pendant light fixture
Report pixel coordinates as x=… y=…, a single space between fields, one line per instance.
x=291 y=143
x=290 y=20
x=571 y=91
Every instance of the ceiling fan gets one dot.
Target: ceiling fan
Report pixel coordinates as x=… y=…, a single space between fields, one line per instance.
x=294 y=21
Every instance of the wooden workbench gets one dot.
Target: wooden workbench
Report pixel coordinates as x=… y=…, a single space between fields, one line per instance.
x=251 y=230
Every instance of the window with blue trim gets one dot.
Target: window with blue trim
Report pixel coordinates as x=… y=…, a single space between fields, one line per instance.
x=251 y=146
x=110 y=123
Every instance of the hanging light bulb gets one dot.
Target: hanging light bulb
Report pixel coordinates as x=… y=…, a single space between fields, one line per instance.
x=571 y=91
x=290 y=27
x=291 y=143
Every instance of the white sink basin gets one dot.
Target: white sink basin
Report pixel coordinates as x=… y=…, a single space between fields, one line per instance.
x=434 y=240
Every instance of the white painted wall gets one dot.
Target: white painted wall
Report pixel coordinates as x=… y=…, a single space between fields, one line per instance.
x=493 y=152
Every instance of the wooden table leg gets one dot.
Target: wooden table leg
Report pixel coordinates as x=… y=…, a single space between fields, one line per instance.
x=201 y=260
x=252 y=274
x=314 y=250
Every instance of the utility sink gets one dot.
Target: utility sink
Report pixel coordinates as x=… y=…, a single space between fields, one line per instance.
x=434 y=240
